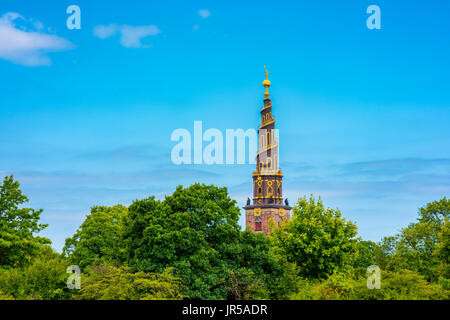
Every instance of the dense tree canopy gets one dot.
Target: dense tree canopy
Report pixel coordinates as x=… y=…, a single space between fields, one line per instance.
x=443 y=246
x=401 y=285
x=435 y=212
x=18 y=226
x=195 y=231
x=99 y=238
x=43 y=278
x=190 y=245
x=105 y=282
x=420 y=246
x=318 y=240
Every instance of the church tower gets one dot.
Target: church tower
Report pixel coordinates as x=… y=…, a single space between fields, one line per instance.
x=268 y=178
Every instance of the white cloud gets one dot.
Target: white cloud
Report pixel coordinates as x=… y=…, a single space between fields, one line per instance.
x=38 y=25
x=103 y=32
x=27 y=47
x=204 y=13
x=130 y=36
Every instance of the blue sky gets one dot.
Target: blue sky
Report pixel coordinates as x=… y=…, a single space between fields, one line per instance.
x=86 y=116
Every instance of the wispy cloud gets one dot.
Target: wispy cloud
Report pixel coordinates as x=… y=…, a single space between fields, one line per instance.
x=204 y=13
x=130 y=152
x=104 y=32
x=130 y=36
x=381 y=196
x=394 y=168
x=410 y=177
x=23 y=42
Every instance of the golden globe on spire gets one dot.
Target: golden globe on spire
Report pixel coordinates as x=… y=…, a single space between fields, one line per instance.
x=266 y=84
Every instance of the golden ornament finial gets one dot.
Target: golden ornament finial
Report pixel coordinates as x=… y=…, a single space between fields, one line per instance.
x=266 y=84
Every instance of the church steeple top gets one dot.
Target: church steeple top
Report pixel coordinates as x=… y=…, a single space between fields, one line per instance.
x=267 y=178
x=266 y=84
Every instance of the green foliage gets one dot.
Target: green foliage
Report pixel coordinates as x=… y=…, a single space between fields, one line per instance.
x=194 y=230
x=435 y=212
x=18 y=244
x=44 y=278
x=415 y=248
x=339 y=286
x=5 y=296
x=255 y=252
x=105 y=282
x=402 y=285
x=443 y=246
x=243 y=284
x=99 y=238
x=406 y=284
x=291 y=286
x=442 y=252
x=190 y=246
x=318 y=240
x=384 y=253
x=305 y=290
x=421 y=246
x=257 y=272
x=365 y=257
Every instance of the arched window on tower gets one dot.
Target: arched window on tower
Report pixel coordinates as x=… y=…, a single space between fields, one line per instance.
x=269 y=163
x=258 y=224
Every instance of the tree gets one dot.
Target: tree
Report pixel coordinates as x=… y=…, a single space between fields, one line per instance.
x=256 y=271
x=43 y=278
x=436 y=211
x=365 y=257
x=242 y=284
x=318 y=240
x=105 y=282
x=437 y=215
x=99 y=238
x=195 y=231
x=416 y=246
x=443 y=247
x=384 y=253
x=400 y=285
x=18 y=243
x=442 y=253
